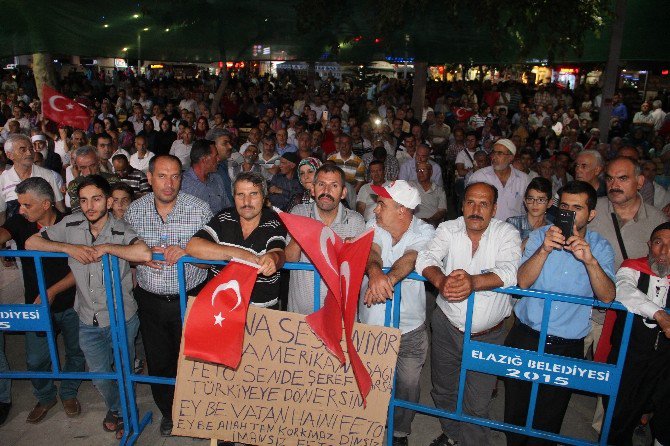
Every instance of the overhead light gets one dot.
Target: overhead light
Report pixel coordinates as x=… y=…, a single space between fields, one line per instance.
x=146 y=29
x=124 y=49
x=105 y=25
x=167 y=30
x=136 y=16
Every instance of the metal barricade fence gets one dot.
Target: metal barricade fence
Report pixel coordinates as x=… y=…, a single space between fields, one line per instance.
x=24 y=317
x=126 y=378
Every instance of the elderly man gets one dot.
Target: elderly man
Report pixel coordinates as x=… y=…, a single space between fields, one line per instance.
x=580 y=263
x=52 y=160
x=433 y=206
x=284 y=185
x=510 y=183
x=248 y=163
x=256 y=234
x=181 y=148
x=366 y=200
x=140 y=159
x=642 y=287
x=86 y=161
x=422 y=155
x=36 y=199
x=165 y=219
x=474 y=253
x=589 y=165
x=328 y=190
x=20 y=151
x=200 y=181
x=399 y=236
x=136 y=179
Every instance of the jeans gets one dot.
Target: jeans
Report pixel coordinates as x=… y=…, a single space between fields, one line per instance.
x=38 y=359
x=96 y=343
x=5 y=384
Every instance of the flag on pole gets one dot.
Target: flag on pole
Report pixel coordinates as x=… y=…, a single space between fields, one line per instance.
x=64 y=110
x=220 y=312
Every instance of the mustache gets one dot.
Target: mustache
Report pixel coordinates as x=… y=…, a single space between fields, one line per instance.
x=326 y=196
x=475 y=217
x=615 y=191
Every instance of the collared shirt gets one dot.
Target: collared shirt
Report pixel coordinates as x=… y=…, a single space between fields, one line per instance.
x=432 y=200
x=369 y=198
x=499 y=252
x=222 y=171
x=91 y=298
x=290 y=187
x=188 y=216
x=408 y=172
x=137 y=180
x=413 y=292
x=224 y=229
x=287 y=148
x=183 y=152
x=353 y=167
x=9 y=179
x=347 y=223
x=510 y=196
x=211 y=191
x=563 y=273
x=391 y=167
x=141 y=163
x=521 y=223
x=636 y=301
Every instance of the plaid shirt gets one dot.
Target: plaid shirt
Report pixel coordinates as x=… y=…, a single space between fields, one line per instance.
x=189 y=215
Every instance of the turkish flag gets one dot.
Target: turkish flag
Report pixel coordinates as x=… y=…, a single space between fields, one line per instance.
x=462 y=114
x=220 y=312
x=590 y=144
x=352 y=258
x=491 y=98
x=64 y=110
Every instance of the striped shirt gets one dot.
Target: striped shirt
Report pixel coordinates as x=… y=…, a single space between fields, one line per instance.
x=353 y=167
x=188 y=216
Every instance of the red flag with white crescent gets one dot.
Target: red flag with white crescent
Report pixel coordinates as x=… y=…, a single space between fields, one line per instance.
x=64 y=110
x=220 y=311
x=462 y=114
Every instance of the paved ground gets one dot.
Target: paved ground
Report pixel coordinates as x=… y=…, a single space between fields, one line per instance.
x=86 y=429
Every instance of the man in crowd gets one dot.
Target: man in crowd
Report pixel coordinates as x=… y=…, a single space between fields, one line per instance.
x=181 y=148
x=248 y=231
x=165 y=219
x=85 y=237
x=642 y=287
x=391 y=166
x=474 y=253
x=366 y=200
x=284 y=185
x=52 y=160
x=328 y=191
x=581 y=264
x=37 y=211
x=224 y=148
x=511 y=183
x=105 y=148
x=433 y=205
x=134 y=178
x=422 y=155
x=200 y=180
x=86 y=160
x=282 y=143
x=399 y=236
x=20 y=151
x=352 y=166
x=589 y=165
x=140 y=159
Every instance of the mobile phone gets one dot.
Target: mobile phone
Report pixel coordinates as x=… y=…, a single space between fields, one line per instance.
x=324 y=115
x=565 y=221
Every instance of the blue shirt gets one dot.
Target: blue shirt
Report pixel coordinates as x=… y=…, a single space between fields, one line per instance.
x=563 y=273
x=222 y=171
x=287 y=148
x=211 y=192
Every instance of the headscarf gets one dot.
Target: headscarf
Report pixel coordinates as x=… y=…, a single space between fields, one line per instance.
x=313 y=163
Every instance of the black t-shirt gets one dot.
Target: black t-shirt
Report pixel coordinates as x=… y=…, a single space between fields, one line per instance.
x=224 y=228
x=54 y=268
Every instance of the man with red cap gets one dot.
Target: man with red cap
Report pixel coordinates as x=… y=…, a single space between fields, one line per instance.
x=399 y=236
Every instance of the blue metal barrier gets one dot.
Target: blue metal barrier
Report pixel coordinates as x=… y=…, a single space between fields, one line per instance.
x=475 y=353
x=23 y=317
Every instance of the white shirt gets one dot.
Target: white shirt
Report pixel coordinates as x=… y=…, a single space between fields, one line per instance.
x=510 y=196
x=183 y=152
x=413 y=292
x=9 y=179
x=499 y=252
x=120 y=151
x=141 y=163
x=432 y=200
x=365 y=195
x=463 y=158
x=188 y=104
x=635 y=301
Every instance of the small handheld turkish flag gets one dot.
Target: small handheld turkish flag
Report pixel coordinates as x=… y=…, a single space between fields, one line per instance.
x=462 y=114
x=64 y=110
x=220 y=311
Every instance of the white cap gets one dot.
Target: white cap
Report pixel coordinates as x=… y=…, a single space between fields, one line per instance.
x=399 y=191
x=506 y=143
x=38 y=138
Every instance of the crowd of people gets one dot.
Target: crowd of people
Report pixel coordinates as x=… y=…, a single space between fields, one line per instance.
x=465 y=192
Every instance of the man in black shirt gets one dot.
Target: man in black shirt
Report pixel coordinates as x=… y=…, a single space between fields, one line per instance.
x=36 y=212
x=248 y=231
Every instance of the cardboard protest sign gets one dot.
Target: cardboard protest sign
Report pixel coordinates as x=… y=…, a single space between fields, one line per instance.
x=288 y=389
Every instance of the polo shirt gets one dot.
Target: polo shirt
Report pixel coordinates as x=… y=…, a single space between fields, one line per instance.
x=211 y=191
x=225 y=229
x=141 y=163
x=510 y=196
x=91 y=297
x=432 y=200
x=347 y=223
x=353 y=167
x=286 y=149
x=183 y=152
x=188 y=216
x=413 y=292
x=408 y=172
x=137 y=180
x=9 y=179
x=54 y=268
x=563 y=273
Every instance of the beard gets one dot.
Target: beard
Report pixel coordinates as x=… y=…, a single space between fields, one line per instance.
x=659 y=269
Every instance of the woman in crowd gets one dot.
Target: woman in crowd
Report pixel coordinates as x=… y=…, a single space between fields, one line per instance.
x=306 y=170
x=149 y=134
x=164 y=138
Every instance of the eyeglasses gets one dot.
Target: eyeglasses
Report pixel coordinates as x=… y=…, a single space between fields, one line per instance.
x=421 y=170
x=531 y=200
